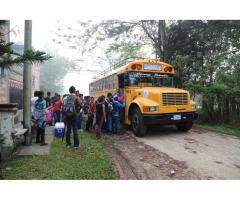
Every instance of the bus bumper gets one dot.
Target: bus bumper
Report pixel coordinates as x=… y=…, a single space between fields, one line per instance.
x=172 y=118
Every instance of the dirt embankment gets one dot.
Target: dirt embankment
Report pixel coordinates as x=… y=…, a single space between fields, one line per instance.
x=136 y=160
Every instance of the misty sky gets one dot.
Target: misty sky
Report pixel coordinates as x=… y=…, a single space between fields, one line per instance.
x=42 y=35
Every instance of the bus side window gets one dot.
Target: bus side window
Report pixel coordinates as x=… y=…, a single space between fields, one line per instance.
x=121 y=80
x=126 y=79
x=114 y=81
x=121 y=83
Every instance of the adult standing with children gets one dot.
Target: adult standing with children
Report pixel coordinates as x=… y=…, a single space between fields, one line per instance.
x=71 y=114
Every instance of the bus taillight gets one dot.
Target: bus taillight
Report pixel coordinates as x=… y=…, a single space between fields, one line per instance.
x=168 y=69
x=139 y=67
x=134 y=67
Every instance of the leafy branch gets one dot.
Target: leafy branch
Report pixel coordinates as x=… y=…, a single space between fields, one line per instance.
x=8 y=57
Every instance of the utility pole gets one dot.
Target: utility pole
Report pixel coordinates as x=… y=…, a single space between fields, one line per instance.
x=27 y=83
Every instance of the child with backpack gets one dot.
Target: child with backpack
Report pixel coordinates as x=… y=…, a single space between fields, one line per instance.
x=91 y=111
x=100 y=116
x=117 y=106
x=109 y=112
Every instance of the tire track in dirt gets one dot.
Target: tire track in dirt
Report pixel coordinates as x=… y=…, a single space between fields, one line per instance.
x=123 y=168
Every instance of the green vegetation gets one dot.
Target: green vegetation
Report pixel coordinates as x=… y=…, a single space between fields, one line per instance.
x=1 y=139
x=88 y=162
x=222 y=128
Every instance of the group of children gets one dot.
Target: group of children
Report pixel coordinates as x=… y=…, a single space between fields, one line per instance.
x=109 y=112
x=41 y=109
x=105 y=113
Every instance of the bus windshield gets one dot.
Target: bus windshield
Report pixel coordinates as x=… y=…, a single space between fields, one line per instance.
x=148 y=79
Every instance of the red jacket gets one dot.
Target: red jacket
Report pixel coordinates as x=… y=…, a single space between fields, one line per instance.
x=91 y=109
x=57 y=106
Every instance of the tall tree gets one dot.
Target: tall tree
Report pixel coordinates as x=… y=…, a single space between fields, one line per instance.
x=122 y=39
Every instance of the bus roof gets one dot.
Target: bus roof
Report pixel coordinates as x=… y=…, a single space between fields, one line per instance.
x=127 y=67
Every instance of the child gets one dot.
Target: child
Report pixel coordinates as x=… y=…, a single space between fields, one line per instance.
x=117 y=106
x=100 y=116
x=57 y=109
x=91 y=111
x=39 y=115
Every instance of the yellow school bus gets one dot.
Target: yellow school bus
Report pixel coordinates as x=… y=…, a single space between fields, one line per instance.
x=150 y=96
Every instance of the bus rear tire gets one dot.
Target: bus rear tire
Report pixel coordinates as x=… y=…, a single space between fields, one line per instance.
x=184 y=126
x=138 y=126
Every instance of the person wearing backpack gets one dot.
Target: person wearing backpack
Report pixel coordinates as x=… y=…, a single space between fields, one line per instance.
x=79 y=110
x=109 y=112
x=117 y=106
x=91 y=111
x=71 y=116
x=100 y=116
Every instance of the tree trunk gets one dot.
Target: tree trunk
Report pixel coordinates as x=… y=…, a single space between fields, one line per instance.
x=162 y=38
x=227 y=110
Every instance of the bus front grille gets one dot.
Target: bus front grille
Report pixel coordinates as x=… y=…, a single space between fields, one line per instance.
x=169 y=99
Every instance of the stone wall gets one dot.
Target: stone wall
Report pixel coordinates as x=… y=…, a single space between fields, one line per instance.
x=7 y=129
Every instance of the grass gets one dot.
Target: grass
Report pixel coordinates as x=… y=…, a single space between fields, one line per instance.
x=223 y=128
x=88 y=162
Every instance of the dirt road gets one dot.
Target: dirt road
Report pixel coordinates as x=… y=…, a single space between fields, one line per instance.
x=165 y=153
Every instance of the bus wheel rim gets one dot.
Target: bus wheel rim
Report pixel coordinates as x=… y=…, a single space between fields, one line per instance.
x=135 y=122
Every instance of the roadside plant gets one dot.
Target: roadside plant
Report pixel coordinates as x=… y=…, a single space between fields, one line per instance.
x=2 y=139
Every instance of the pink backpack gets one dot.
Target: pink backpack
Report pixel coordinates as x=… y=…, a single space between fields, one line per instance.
x=121 y=99
x=48 y=114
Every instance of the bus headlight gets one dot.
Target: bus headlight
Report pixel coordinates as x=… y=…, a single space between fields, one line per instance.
x=194 y=107
x=153 y=108
x=150 y=108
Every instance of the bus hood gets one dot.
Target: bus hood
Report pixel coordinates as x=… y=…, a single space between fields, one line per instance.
x=163 y=99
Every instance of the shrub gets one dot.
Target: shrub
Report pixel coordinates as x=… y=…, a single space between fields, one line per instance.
x=1 y=139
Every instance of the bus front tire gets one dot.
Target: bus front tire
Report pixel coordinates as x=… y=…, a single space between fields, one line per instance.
x=137 y=123
x=184 y=126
